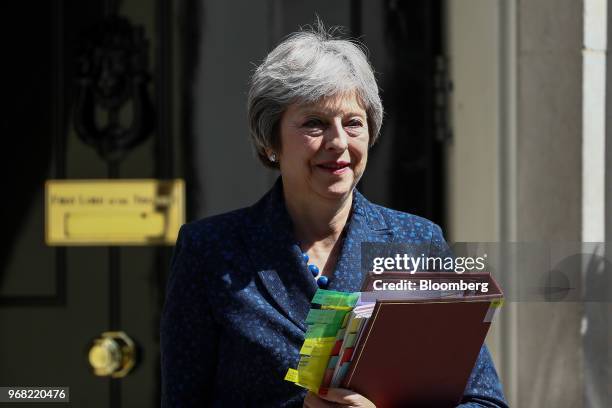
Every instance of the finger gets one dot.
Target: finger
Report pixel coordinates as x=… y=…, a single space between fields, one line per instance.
x=343 y=396
x=312 y=400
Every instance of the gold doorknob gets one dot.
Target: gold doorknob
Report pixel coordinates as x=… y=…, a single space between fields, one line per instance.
x=113 y=354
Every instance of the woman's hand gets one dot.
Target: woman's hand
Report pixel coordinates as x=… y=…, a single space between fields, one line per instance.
x=337 y=397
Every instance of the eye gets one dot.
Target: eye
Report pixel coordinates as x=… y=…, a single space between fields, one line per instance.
x=313 y=123
x=355 y=127
x=354 y=123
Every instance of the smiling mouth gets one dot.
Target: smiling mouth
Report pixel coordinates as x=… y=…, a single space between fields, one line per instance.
x=335 y=168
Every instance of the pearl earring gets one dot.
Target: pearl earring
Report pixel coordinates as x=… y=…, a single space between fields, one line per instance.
x=272 y=157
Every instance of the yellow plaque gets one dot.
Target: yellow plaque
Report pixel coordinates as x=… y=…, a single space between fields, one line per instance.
x=113 y=212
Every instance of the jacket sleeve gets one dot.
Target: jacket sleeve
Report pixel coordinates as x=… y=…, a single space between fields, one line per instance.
x=483 y=387
x=188 y=334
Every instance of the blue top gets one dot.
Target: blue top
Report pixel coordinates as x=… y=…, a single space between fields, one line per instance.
x=238 y=295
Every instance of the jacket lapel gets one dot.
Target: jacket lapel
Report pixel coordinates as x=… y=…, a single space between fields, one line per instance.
x=277 y=258
x=366 y=224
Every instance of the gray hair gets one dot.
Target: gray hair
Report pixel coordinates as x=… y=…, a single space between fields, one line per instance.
x=305 y=67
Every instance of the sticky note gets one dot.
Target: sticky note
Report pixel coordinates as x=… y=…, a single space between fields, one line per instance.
x=292 y=375
x=329 y=316
x=318 y=346
x=335 y=298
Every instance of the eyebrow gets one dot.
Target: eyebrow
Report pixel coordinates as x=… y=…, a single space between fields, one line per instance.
x=329 y=112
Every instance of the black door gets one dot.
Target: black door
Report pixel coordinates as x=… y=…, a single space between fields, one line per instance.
x=56 y=303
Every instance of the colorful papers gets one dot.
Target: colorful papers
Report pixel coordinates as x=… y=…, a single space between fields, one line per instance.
x=325 y=320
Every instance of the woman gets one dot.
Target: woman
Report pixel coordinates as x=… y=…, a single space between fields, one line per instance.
x=241 y=282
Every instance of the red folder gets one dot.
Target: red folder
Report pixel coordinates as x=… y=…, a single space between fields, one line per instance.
x=420 y=352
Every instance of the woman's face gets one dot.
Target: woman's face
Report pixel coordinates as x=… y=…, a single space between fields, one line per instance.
x=324 y=146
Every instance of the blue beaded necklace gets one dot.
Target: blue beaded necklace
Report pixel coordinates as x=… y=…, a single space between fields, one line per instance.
x=322 y=281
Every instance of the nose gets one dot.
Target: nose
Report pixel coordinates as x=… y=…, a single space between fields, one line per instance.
x=336 y=137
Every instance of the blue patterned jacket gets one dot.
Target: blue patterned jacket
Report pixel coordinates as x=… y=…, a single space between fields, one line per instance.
x=238 y=295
